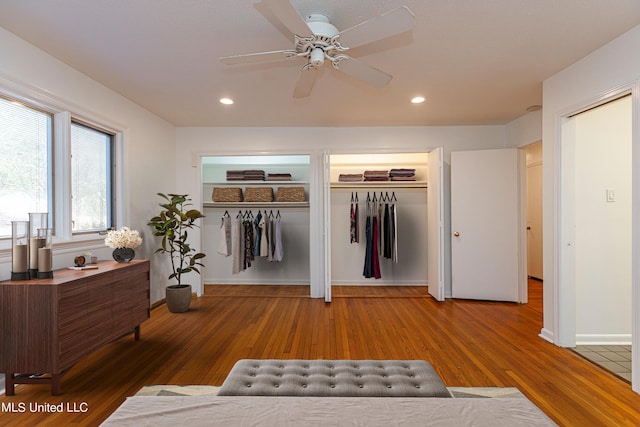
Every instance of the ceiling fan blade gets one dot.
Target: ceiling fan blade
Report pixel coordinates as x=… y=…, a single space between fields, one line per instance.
x=258 y=57
x=382 y=26
x=305 y=81
x=290 y=18
x=364 y=72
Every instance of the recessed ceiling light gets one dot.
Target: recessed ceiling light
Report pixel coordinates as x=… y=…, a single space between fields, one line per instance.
x=417 y=100
x=226 y=101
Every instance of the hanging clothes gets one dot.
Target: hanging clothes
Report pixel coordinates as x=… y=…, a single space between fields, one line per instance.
x=380 y=215
x=353 y=220
x=237 y=248
x=371 y=260
x=394 y=228
x=367 y=271
x=257 y=235
x=394 y=233
x=278 y=252
x=248 y=240
x=224 y=242
x=270 y=237
x=374 y=245
x=387 y=230
x=264 y=238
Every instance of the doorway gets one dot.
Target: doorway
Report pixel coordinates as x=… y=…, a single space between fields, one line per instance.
x=534 y=210
x=596 y=274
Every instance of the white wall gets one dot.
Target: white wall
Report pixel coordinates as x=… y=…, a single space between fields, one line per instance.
x=149 y=165
x=611 y=69
x=602 y=154
x=524 y=130
x=191 y=142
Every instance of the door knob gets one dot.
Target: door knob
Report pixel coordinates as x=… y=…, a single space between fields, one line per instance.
x=456 y=234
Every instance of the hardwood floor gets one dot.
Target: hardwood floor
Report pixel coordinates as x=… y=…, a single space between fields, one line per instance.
x=469 y=343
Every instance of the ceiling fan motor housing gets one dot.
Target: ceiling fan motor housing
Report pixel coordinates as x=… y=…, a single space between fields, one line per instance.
x=320 y=25
x=322 y=44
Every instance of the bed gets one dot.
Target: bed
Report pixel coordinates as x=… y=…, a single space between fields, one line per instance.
x=328 y=392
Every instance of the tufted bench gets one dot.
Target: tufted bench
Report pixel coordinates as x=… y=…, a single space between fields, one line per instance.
x=333 y=378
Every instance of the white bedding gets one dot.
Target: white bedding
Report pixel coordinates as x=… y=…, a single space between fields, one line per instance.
x=195 y=411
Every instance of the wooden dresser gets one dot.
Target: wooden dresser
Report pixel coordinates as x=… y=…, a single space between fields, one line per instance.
x=47 y=325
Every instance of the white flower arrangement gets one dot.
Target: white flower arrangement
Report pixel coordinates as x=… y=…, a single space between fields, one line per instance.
x=123 y=238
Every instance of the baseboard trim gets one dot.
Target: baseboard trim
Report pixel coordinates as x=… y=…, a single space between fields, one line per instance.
x=603 y=339
x=547 y=335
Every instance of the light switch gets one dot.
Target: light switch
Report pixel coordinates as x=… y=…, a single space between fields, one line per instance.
x=611 y=195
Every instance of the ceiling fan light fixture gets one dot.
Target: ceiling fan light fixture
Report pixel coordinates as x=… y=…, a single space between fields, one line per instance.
x=317 y=57
x=226 y=101
x=418 y=100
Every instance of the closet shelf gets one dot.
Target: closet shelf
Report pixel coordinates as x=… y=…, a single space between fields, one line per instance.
x=380 y=184
x=266 y=205
x=259 y=183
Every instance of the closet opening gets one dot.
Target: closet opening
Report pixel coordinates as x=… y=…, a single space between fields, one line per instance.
x=378 y=208
x=256 y=229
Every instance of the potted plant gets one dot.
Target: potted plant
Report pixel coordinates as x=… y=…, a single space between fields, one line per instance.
x=172 y=224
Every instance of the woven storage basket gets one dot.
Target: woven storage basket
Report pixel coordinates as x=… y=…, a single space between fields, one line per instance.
x=227 y=194
x=258 y=194
x=290 y=194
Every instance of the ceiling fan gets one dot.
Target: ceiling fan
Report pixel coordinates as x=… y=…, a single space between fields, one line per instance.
x=317 y=40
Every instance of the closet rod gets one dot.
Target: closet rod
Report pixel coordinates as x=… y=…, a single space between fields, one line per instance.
x=377 y=187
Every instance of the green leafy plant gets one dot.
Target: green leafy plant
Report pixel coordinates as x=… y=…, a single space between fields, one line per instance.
x=172 y=224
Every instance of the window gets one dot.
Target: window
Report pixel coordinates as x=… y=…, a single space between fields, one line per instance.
x=51 y=162
x=91 y=178
x=25 y=169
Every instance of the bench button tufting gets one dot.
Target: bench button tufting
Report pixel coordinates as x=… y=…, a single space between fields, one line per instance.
x=304 y=386
x=332 y=386
x=360 y=386
x=388 y=385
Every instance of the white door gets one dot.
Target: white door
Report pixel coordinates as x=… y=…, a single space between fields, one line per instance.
x=488 y=250
x=435 y=225
x=534 y=220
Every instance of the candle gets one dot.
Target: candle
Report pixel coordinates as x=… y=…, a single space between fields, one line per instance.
x=35 y=243
x=44 y=260
x=19 y=258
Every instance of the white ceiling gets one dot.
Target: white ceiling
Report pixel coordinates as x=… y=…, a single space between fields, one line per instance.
x=476 y=61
